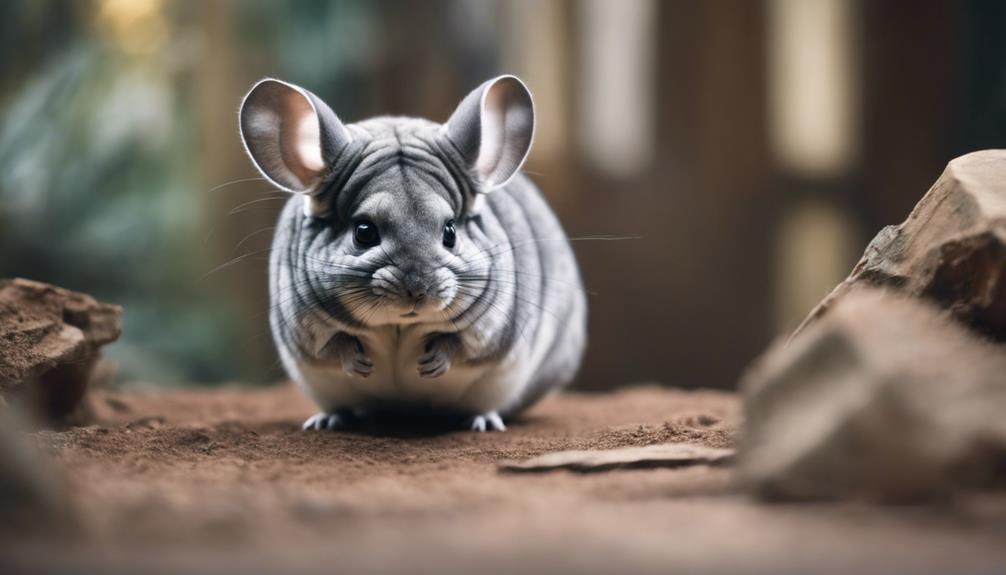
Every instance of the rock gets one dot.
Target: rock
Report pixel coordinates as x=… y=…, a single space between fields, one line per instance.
x=885 y=397
x=648 y=457
x=951 y=250
x=50 y=342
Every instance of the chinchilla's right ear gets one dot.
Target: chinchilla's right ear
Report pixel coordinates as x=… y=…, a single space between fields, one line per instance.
x=493 y=128
x=292 y=137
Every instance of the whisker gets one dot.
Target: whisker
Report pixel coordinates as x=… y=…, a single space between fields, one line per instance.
x=233 y=261
x=491 y=251
x=247 y=205
x=249 y=236
x=233 y=182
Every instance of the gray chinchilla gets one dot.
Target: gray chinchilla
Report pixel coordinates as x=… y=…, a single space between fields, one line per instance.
x=414 y=268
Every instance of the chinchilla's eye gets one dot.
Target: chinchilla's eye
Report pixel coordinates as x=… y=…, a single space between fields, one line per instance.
x=365 y=234
x=450 y=235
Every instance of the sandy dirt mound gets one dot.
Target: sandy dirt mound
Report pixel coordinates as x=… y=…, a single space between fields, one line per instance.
x=224 y=481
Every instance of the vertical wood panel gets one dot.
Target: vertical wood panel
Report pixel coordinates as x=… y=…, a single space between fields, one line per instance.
x=689 y=303
x=219 y=87
x=910 y=71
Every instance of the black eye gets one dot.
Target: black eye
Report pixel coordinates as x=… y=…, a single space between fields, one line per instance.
x=450 y=235
x=365 y=234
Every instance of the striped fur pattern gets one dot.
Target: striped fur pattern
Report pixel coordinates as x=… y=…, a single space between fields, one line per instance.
x=482 y=326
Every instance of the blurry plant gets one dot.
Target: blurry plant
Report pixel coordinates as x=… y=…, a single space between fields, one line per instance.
x=112 y=112
x=97 y=191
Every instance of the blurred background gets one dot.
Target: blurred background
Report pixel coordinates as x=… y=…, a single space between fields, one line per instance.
x=754 y=146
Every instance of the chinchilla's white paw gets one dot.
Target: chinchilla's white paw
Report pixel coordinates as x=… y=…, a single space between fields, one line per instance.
x=489 y=421
x=324 y=422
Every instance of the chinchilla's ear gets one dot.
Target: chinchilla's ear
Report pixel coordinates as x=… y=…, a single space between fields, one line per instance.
x=292 y=136
x=493 y=128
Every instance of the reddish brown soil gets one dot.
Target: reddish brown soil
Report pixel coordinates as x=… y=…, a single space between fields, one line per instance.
x=224 y=481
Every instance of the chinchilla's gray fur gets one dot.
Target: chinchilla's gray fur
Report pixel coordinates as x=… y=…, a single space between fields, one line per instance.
x=483 y=328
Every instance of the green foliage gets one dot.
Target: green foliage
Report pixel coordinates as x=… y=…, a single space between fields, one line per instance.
x=98 y=193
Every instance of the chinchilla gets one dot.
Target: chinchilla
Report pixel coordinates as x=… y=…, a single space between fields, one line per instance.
x=414 y=267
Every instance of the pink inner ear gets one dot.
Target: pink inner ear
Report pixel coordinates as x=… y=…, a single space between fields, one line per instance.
x=493 y=123
x=300 y=139
x=308 y=142
x=507 y=127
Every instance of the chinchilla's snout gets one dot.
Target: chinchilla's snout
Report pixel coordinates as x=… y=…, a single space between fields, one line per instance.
x=415 y=287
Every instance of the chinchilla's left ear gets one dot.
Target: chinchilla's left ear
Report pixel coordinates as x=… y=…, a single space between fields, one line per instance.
x=292 y=137
x=493 y=128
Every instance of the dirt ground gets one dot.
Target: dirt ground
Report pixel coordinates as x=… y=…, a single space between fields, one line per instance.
x=224 y=481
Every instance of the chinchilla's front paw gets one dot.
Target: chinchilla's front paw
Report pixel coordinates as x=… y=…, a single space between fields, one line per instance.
x=324 y=421
x=350 y=353
x=488 y=421
x=440 y=351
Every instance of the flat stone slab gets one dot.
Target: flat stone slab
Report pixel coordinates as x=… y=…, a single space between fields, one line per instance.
x=668 y=455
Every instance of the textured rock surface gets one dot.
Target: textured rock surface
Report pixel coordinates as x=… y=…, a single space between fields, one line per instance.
x=50 y=340
x=951 y=249
x=885 y=397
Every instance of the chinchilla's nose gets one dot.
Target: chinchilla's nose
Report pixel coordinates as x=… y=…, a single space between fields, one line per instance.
x=415 y=287
x=416 y=294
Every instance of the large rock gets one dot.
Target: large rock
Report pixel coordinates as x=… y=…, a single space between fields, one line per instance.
x=50 y=341
x=884 y=397
x=951 y=249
